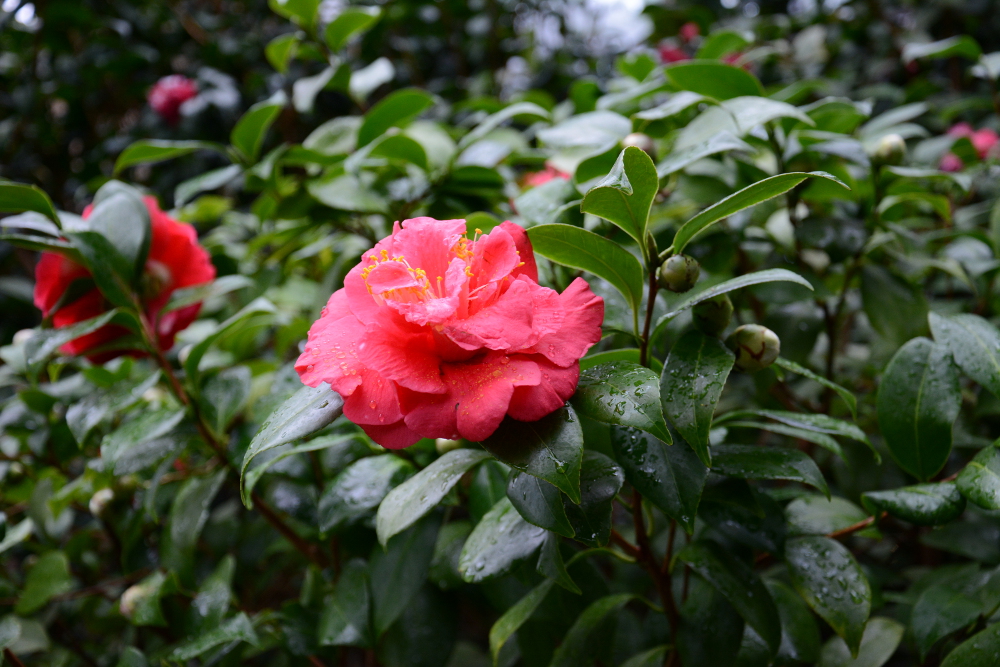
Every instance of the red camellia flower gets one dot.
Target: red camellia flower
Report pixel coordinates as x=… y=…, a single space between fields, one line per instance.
x=175 y=260
x=672 y=54
x=169 y=93
x=689 y=31
x=984 y=141
x=438 y=336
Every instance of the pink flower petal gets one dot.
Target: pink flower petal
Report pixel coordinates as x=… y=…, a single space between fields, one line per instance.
x=531 y=403
x=331 y=352
x=391 y=436
x=580 y=330
x=374 y=401
x=524 y=251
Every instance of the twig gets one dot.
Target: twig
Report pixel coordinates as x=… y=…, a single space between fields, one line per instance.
x=14 y=660
x=650 y=305
x=860 y=525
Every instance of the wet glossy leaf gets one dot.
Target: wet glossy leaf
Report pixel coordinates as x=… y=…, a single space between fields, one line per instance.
x=750 y=462
x=980 y=650
x=307 y=411
x=979 y=481
x=551 y=564
x=394 y=110
x=443 y=572
x=141 y=603
x=922 y=504
x=19 y=197
x=237 y=629
x=579 y=644
x=199 y=293
x=515 y=617
x=881 y=638
x=489 y=484
x=721 y=142
x=714 y=79
x=49 y=577
x=622 y=393
x=112 y=272
x=210 y=180
x=224 y=394
x=151 y=151
x=248 y=135
x=896 y=310
x=825 y=573
x=136 y=443
x=799 y=632
x=188 y=515
x=41 y=346
x=974 y=344
x=654 y=657
x=345 y=620
x=818 y=423
x=849 y=398
x=412 y=499
x=739 y=585
x=539 y=503
x=397 y=572
x=669 y=476
x=496 y=119
x=626 y=193
x=257 y=311
x=751 y=195
x=587 y=251
x=816 y=515
x=946 y=606
x=918 y=401
x=822 y=439
x=350 y=445
x=690 y=386
x=359 y=488
x=501 y=539
x=550 y=449
x=710 y=629
x=600 y=481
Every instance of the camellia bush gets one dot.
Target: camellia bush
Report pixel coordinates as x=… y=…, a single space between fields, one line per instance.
x=685 y=356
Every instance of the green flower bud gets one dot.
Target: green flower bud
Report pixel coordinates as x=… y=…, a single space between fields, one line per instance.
x=679 y=273
x=890 y=149
x=444 y=445
x=756 y=347
x=641 y=141
x=712 y=316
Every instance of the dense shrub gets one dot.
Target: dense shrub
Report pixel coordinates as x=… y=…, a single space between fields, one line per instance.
x=711 y=379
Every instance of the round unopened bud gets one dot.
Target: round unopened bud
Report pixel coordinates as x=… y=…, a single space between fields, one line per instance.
x=641 y=141
x=679 y=273
x=131 y=598
x=712 y=316
x=99 y=502
x=890 y=149
x=444 y=445
x=756 y=347
x=23 y=336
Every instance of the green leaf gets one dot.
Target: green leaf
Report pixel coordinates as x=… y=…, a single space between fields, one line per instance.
x=539 y=503
x=302 y=12
x=580 y=249
x=17 y=534
x=714 y=79
x=677 y=103
x=346 y=192
x=945 y=606
x=974 y=344
x=412 y=499
x=550 y=448
x=622 y=393
x=825 y=573
x=751 y=462
x=307 y=411
x=878 y=644
x=237 y=629
x=721 y=43
x=210 y=180
x=258 y=309
x=823 y=440
x=141 y=441
x=494 y=120
x=224 y=395
x=499 y=541
x=816 y=515
x=627 y=354
x=980 y=650
x=112 y=272
x=394 y=110
x=188 y=515
x=359 y=488
x=515 y=617
x=600 y=481
x=654 y=657
x=751 y=195
x=849 y=398
x=398 y=572
x=42 y=244
x=690 y=386
x=670 y=477
x=10 y=632
x=551 y=564
x=739 y=585
x=345 y=620
x=17 y=198
x=818 y=423
x=350 y=22
x=248 y=135
x=200 y=293
x=896 y=309
x=961 y=45
x=343 y=443
x=151 y=151
x=141 y=602
x=918 y=401
x=720 y=142
x=280 y=50
x=921 y=504
x=46 y=342
x=583 y=639
x=120 y=215
x=799 y=632
x=625 y=195
x=979 y=481
x=48 y=578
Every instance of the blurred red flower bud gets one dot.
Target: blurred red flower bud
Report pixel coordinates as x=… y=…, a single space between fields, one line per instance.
x=169 y=93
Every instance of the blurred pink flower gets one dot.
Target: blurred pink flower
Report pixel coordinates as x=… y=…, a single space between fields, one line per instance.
x=672 y=54
x=169 y=93
x=689 y=31
x=438 y=336
x=536 y=178
x=951 y=162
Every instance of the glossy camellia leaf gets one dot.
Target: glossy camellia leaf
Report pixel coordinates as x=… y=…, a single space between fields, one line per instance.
x=248 y=135
x=751 y=195
x=392 y=111
x=539 y=503
x=258 y=310
x=135 y=437
x=307 y=411
x=45 y=342
x=348 y=447
x=960 y=45
x=722 y=142
x=947 y=604
x=580 y=643
x=750 y=462
x=345 y=620
x=411 y=500
x=515 y=617
x=980 y=650
x=739 y=585
x=896 y=309
x=600 y=481
x=199 y=293
x=878 y=644
x=799 y=632
x=494 y=120
x=224 y=394
x=581 y=249
x=979 y=481
x=120 y=215
x=825 y=573
x=210 y=180
x=714 y=79
x=303 y=12
x=922 y=504
x=359 y=488
x=18 y=197
x=397 y=572
x=280 y=50
x=676 y=103
x=974 y=344
x=918 y=401
x=151 y=151
x=818 y=423
x=669 y=476
x=816 y=515
x=188 y=515
x=849 y=398
x=142 y=605
x=654 y=657
x=49 y=577
x=237 y=629
x=822 y=439
x=350 y=22
x=552 y=566
x=499 y=541
x=690 y=386
x=550 y=448
x=625 y=195
x=622 y=393
x=113 y=273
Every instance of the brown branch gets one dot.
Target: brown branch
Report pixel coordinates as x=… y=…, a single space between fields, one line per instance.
x=860 y=525
x=14 y=660
x=650 y=305
x=625 y=545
